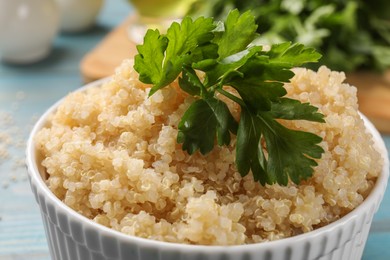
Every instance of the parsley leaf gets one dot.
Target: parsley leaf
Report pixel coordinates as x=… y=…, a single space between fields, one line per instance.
x=249 y=153
x=291 y=109
x=260 y=79
x=290 y=152
x=160 y=59
x=150 y=58
x=205 y=119
x=189 y=82
x=292 y=55
x=238 y=32
x=227 y=56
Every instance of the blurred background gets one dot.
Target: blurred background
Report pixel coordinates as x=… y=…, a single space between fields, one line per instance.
x=51 y=47
x=352 y=35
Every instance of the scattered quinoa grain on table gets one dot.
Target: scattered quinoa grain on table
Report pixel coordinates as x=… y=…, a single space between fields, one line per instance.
x=110 y=153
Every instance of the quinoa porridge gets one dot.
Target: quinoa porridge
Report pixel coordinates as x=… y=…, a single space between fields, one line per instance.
x=111 y=154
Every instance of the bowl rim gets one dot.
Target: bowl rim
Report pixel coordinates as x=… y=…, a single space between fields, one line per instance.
x=376 y=192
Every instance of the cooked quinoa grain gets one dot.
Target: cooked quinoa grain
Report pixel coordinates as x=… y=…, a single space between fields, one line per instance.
x=111 y=155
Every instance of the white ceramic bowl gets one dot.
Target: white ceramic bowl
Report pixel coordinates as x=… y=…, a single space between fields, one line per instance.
x=72 y=236
x=78 y=16
x=27 y=29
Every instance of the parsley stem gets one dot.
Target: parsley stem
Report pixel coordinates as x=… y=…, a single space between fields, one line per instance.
x=231 y=96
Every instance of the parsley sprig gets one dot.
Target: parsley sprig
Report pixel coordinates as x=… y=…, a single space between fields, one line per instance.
x=224 y=52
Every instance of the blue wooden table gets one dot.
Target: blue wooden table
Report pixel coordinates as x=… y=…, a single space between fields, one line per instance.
x=25 y=93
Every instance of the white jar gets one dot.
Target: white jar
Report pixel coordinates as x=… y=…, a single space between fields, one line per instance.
x=78 y=15
x=27 y=29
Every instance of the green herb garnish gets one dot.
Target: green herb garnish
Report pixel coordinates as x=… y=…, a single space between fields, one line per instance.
x=224 y=52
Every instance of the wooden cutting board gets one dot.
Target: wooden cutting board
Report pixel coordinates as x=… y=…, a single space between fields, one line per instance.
x=373 y=89
x=109 y=53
